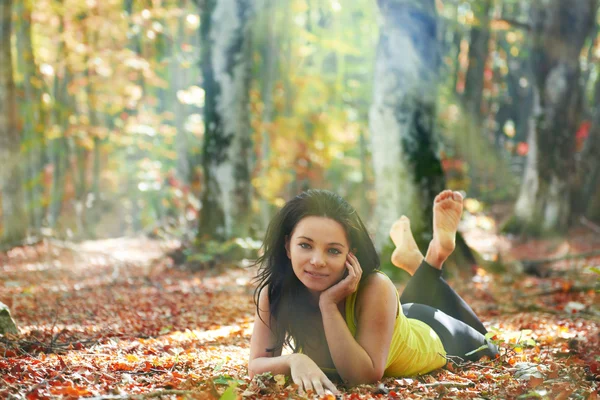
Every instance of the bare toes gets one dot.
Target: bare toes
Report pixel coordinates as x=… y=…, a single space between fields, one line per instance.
x=443 y=196
x=456 y=196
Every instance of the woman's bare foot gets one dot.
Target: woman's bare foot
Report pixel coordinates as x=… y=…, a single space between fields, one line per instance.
x=407 y=254
x=447 y=210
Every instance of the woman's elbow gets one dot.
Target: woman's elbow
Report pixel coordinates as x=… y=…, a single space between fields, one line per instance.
x=251 y=371
x=376 y=376
x=367 y=379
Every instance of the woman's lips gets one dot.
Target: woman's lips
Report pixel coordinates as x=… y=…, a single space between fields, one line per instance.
x=315 y=274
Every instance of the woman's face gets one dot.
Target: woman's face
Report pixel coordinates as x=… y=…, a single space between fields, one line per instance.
x=318 y=249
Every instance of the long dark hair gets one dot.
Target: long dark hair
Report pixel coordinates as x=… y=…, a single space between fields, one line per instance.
x=289 y=299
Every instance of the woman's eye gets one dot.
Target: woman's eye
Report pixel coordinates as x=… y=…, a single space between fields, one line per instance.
x=335 y=251
x=305 y=245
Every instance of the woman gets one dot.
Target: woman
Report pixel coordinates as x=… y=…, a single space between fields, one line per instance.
x=319 y=292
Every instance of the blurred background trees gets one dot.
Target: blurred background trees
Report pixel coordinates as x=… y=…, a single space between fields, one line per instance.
x=199 y=119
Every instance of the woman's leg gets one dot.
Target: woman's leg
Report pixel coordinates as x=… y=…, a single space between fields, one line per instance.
x=458 y=338
x=429 y=288
x=427 y=285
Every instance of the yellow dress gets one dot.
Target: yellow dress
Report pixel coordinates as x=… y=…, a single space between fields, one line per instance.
x=415 y=349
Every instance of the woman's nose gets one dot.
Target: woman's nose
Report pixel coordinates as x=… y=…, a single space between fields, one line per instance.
x=318 y=260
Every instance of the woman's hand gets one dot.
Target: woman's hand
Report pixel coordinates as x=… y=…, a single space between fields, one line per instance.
x=308 y=376
x=346 y=286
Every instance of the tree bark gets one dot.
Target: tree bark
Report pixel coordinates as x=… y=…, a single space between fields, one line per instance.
x=225 y=68
x=408 y=172
x=14 y=226
x=559 y=31
x=587 y=200
x=478 y=53
x=59 y=149
x=269 y=51
x=178 y=79
x=32 y=116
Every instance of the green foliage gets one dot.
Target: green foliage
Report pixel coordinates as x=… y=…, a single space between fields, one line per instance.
x=123 y=88
x=206 y=253
x=229 y=393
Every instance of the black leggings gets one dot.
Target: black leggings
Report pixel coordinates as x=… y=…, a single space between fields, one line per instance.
x=428 y=298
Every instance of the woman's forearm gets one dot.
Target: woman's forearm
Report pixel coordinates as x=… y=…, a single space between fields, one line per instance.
x=274 y=365
x=351 y=360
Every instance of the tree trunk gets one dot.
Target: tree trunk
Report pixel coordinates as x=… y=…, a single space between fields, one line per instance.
x=178 y=77
x=14 y=225
x=478 y=53
x=32 y=116
x=59 y=149
x=586 y=202
x=269 y=51
x=408 y=173
x=544 y=203
x=225 y=67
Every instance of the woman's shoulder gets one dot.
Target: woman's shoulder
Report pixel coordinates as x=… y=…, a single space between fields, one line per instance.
x=376 y=287
x=263 y=299
x=377 y=279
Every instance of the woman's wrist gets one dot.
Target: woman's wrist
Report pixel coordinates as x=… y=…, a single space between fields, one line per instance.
x=327 y=305
x=294 y=358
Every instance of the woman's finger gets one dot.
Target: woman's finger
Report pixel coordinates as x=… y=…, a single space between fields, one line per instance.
x=356 y=264
x=318 y=387
x=298 y=383
x=356 y=268
x=307 y=385
x=329 y=385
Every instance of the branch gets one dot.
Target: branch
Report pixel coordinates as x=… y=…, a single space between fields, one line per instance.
x=591 y=316
x=149 y=395
x=573 y=289
x=449 y=384
x=589 y=224
x=514 y=23
x=562 y=258
x=36 y=346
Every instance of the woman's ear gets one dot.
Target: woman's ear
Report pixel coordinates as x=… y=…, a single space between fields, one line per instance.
x=287 y=246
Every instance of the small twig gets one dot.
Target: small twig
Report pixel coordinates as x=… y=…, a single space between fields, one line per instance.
x=514 y=23
x=589 y=224
x=46 y=381
x=573 y=289
x=532 y=307
x=449 y=384
x=562 y=258
x=149 y=395
x=47 y=348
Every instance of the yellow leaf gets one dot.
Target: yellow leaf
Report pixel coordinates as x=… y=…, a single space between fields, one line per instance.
x=279 y=379
x=132 y=358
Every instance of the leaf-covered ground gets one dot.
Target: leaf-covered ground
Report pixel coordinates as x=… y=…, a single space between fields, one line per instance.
x=114 y=319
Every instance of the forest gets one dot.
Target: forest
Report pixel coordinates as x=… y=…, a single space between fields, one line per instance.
x=146 y=145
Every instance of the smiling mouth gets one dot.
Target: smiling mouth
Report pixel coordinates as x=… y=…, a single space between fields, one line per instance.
x=315 y=275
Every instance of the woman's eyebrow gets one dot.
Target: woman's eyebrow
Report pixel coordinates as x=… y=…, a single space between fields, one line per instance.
x=332 y=243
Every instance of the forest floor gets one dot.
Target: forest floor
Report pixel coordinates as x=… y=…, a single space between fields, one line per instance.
x=114 y=319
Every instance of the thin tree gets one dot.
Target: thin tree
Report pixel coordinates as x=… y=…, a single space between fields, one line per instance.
x=32 y=115
x=14 y=222
x=478 y=54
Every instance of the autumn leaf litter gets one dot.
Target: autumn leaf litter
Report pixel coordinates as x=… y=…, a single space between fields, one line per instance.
x=115 y=319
